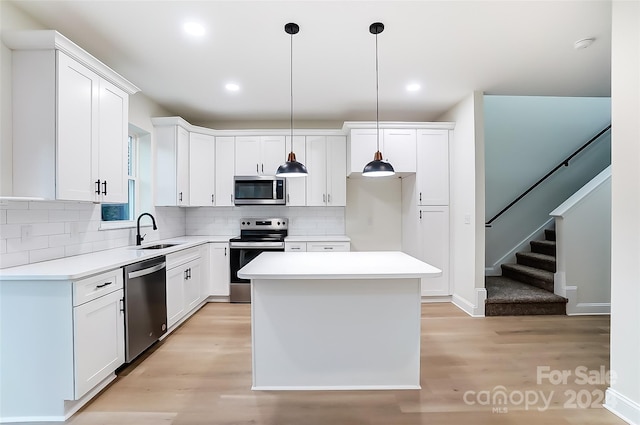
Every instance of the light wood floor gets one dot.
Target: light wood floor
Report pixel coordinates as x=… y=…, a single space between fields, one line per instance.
x=201 y=374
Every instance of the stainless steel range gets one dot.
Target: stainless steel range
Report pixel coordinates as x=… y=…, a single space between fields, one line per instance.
x=257 y=235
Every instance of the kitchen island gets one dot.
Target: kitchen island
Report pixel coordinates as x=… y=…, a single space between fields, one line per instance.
x=336 y=321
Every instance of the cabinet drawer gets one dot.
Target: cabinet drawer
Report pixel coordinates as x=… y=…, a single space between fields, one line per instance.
x=295 y=246
x=88 y=289
x=328 y=246
x=177 y=258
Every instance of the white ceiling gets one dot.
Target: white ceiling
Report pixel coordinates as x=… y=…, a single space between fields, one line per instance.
x=450 y=48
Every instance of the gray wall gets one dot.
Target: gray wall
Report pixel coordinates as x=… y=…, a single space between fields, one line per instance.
x=525 y=137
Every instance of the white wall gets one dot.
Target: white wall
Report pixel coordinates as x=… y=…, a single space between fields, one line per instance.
x=374 y=214
x=583 y=257
x=623 y=395
x=466 y=158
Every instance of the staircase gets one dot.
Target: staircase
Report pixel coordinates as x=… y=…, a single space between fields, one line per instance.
x=526 y=288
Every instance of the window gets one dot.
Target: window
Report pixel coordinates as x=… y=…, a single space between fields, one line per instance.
x=126 y=212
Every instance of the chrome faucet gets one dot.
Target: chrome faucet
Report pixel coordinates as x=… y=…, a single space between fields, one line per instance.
x=139 y=238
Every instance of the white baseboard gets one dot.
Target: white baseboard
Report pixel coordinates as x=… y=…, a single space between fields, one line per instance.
x=623 y=407
x=574 y=308
x=472 y=310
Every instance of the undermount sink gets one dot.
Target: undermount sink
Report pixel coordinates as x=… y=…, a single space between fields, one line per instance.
x=159 y=246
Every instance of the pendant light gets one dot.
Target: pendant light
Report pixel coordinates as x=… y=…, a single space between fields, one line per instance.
x=292 y=168
x=377 y=167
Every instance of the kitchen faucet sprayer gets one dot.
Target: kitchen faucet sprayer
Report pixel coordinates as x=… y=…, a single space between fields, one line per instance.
x=139 y=238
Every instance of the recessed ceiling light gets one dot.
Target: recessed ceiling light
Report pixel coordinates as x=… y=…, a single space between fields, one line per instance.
x=584 y=43
x=194 y=28
x=232 y=87
x=413 y=87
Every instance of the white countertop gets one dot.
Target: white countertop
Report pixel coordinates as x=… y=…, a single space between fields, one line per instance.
x=80 y=266
x=318 y=238
x=336 y=265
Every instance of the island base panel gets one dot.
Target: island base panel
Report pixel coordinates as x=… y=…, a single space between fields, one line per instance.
x=333 y=334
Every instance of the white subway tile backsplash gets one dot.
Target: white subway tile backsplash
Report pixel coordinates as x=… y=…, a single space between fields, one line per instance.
x=3 y=216
x=8 y=231
x=19 y=216
x=83 y=248
x=46 y=205
x=46 y=254
x=64 y=215
x=14 y=259
x=27 y=243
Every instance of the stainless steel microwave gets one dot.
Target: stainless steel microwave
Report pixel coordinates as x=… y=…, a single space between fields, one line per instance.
x=259 y=190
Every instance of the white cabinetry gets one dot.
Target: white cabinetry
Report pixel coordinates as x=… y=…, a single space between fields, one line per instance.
x=434 y=247
x=172 y=165
x=62 y=342
x=296 y=186
x=98 y=329
x=224 y=170
x=432 y=177
x=317 y=246
x=184 y=285
x=219 y=266
x=326 y=162
x=70 y=123
x=201 y=170
x=398 y=146
x=259 y=155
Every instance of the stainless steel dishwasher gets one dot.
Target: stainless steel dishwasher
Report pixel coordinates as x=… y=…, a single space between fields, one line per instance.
x=145 y=305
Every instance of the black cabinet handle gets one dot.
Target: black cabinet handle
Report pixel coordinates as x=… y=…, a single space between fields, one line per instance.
x=213 y=198
x=104 y=284
x=122 y=305
x=225 y=251
x=104 y=188
x=420 y=196
x=180 y=196
x=98 y=186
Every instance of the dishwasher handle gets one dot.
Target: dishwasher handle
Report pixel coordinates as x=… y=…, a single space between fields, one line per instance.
x=144 y=272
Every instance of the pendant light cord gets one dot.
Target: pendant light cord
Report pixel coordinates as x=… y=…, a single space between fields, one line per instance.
x=291 y=90
x=377 y=101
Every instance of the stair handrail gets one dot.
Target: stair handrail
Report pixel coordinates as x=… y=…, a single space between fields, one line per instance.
x=564 y=163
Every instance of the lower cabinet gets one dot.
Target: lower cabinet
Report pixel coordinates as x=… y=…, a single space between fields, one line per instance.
x=317 y=246
x=98 y=334
x=433 y=232
x=219 y=269
x=184 y=284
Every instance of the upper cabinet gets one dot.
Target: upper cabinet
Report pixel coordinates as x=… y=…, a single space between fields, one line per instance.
x=202 y=186
x=398 y=147
x=296 y=186
x=225 y=170
x=70 y=121
x=326 y=163
x=432 y=178
x=172 y=163
x=259 y=155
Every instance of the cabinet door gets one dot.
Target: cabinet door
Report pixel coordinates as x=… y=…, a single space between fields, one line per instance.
x=316 y=153
x=182 y=176
x=224 y=171
x=296 y=186
x=192 y=284
x=175 y=295
x=219 y=269
x=201 y=169
x=328 y=246
x=272 y=154
x=362 y=146
x=400 y=149
x=113 y=135
x=77 y=130
x=432 y=174
x=98 y=340
x=434 y=232
x=247 y=156
x=336 y=171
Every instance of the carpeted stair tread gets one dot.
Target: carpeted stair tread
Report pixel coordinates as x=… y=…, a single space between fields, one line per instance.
x=533 y=276
x=501 y=289
x=508 y=297
x=537 y=260
x=543 y=247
